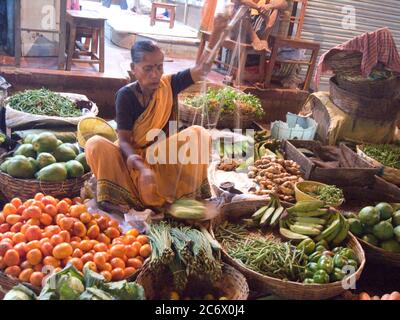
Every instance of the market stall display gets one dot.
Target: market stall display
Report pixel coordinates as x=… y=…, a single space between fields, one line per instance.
x=43 y=163
x=263 y=256
x=45 y=231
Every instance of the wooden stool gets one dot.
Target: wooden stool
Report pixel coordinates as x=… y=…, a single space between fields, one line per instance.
x=171 y=9
x=89 y=25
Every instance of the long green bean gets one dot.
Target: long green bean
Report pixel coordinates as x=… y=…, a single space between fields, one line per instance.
x=263 y=255
x=44 y=102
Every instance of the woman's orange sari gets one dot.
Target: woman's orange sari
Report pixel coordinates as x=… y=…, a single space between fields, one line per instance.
x=117 y=185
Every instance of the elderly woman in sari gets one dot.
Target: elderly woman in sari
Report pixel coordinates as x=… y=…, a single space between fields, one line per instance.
x=150 y=166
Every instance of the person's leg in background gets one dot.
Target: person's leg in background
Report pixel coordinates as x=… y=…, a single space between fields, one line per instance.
x=107 y=3
x=123 y=4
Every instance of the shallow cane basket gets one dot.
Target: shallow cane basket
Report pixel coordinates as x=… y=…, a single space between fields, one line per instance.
x=281 y=288
x=27 y=188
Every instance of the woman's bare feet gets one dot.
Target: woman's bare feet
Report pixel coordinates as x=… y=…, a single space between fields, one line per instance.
x=260 y=45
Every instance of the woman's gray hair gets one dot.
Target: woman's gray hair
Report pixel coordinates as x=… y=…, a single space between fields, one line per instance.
x=140 y=48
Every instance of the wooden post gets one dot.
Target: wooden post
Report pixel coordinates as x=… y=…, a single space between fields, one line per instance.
x=63 y=35
x=102 y=48
x=17 y=39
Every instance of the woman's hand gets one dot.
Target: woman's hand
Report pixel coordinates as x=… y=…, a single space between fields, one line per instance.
x=265 y=9
x=134 y=162
x=146 y=177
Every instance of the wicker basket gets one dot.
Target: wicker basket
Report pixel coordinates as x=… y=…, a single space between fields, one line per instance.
x=27 y=188
x=387 y=88
x=390 y=174
x=288 y=289
x=193 y=116
x=379 y=255
x=7 y=283
x=363 y=107
x=233 y=284
x=345 y=62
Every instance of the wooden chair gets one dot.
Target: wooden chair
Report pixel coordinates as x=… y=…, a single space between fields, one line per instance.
x=289 y=35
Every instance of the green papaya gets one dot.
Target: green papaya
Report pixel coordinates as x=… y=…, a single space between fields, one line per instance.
x=64 y=153
x=74 y=169
x=25 y=150
x=20 y=168
x=45 y=142
x=55 y=172
x=82 y=159
x=45 y=159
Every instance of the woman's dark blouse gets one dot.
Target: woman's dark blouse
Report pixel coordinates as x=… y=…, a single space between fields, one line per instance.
x=128 y=107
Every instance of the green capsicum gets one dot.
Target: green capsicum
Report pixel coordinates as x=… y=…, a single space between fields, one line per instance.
x=323 y=243
x=353 y=263
x=337 y=250
x=314 y=257
x=349 y=253
x=308 y=281
x=340 y=261
x=321 y=277
x=337 y=275
x=325 y=263
x=307 y=245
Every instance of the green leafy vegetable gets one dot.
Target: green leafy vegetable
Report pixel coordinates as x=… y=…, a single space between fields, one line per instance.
x=228 y=100
x=387 y=154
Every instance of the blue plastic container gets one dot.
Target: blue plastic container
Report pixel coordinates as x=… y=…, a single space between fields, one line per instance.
x=295 y=127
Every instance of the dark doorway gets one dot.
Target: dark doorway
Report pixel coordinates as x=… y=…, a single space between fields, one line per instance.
x=7 y=27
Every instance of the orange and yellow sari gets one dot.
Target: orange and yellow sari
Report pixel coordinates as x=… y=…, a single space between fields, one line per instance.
x=119 y=186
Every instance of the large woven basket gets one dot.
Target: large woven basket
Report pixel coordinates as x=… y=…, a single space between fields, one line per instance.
x=189 y=115
x=359 y=106
x=390 y=174
x=27 y=188
x=345 y=62
x=289 y=289
x=379 y=255
x=233 y=284
x=386 y=88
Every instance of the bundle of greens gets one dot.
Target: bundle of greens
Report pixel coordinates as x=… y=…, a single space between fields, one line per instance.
x=387 y=154
x=228 y=100
x=44 y=102
x=261 y=254
x=186 y=252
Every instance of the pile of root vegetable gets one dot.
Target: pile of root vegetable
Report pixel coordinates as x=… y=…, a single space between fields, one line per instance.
x=276 y=176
